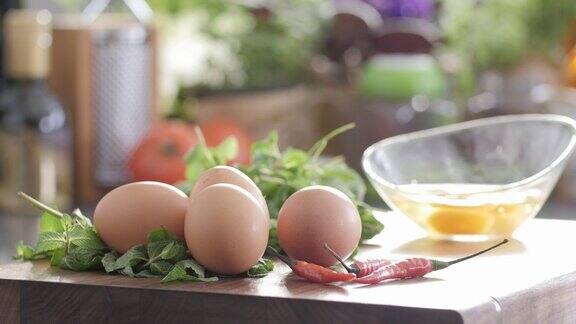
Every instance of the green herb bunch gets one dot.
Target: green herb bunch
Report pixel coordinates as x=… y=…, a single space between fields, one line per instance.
x=279 y=174
x=70 y=241
x=164 y=256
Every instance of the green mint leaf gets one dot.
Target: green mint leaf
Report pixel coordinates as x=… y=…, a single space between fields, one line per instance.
x=57 y=256
x=51 y=223
x=187 y=270
x=370 y=225
x=177 y=273
x=154 y=249
x=266 y=150
x=162 y=250
x=193 y=171
x=261 y=269
x=226 y=151
x=67 y=220
x=81 y=259
x=146 y=274
x=338 y=175
x=23 y=251
x=85 y=238
x=134 y=256
x=192 y=267
x=201 y=157
x=166 y=250
x=173 y=251
x=109 y=261
x=195 y=154
x=81 y=219
x=163 y=245
x=198 y=160
x=128 y=271
x=293 y=158
x=161 y=234
x=50 y=241
x=161 y=267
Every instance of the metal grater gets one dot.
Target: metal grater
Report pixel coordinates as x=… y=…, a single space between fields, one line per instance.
x=122 y=82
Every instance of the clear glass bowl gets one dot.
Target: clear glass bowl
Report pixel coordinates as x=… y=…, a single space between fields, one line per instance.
x=472 y=181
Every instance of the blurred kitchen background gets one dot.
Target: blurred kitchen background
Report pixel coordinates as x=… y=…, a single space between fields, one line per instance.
x=90 y=90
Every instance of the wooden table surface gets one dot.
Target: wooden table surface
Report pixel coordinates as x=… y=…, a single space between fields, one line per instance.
x=530 y=280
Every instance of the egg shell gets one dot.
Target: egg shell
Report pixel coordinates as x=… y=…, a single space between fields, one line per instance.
x=316 y=215
x=124 y=217
x=226 y=229
x=227 y=174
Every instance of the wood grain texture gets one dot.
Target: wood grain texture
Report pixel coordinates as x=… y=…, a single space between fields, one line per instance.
x=507 y=285
x=9 y=301
x=57 y=303
x=70 y=303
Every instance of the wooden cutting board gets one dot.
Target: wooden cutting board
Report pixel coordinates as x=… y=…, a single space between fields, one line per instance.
x=530 y=280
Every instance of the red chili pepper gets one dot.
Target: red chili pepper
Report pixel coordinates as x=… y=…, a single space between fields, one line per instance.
x=313 y=272
x=359 y=268
x=414 y=267
x=367 y=267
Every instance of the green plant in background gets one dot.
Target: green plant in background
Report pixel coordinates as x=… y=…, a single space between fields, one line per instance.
x=490 y=34
x=273 y=41
x=547 y=22
x=496 y=34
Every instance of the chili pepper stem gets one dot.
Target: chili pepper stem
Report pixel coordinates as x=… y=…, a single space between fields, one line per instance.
x=339 y=258
x=437 y=265
x=39 y=205
x=291 y=263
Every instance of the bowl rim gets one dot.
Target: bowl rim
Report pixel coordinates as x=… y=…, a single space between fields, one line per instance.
x=552 y=118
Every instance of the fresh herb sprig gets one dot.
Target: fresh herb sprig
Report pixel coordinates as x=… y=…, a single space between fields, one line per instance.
x=70 y=242
x=163 y=257
x=279 y=174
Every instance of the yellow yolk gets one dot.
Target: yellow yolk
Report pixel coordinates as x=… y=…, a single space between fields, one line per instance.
x=460 y=220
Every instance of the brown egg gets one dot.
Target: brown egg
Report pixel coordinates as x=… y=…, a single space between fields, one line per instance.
x=316 y=215
x=125 y=216
x=226 y=229
x=227 y=174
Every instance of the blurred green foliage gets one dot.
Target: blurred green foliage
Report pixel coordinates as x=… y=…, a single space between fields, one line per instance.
x=213 y=7
x=273 y=43
x=498 y=33
x=274 y=40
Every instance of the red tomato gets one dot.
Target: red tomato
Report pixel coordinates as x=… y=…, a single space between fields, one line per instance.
x=160 y=155
x=217 y=130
